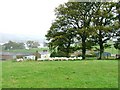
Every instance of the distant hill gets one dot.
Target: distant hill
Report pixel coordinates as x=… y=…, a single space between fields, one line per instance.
x=5 y=37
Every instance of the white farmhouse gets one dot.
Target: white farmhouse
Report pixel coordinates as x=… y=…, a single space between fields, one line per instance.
x=44 y=54
x=30 y=57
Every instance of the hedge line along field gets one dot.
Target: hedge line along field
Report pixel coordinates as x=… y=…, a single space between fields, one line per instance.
x=60 y=74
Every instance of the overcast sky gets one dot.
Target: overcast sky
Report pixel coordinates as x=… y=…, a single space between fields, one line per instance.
x=27 y=17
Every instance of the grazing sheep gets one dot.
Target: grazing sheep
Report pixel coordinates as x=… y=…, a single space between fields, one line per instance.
x=80 y=58
x=19 y=60
x=50 y=59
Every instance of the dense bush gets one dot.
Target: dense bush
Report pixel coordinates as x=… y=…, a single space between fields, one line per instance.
x=58 y=54
x=91 y=55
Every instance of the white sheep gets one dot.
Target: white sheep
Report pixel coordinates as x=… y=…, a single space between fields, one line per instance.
x=19 y=60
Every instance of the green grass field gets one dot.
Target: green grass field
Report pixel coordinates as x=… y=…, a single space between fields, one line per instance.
x=60 y=74
x=33 y=50
x=111 y=50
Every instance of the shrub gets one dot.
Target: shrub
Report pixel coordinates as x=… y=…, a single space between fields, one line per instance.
x=58 y=54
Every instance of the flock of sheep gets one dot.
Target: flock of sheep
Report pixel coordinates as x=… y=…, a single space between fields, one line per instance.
x=53 y=59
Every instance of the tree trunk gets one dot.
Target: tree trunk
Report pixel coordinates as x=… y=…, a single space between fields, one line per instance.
x=83 y=47
x=101 y=50
x=101 y=45
x=68 y=49
x=68 y=54
x=36 y=55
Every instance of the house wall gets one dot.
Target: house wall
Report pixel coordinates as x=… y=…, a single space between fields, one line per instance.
x=6 y=57
x=30 y=57
x=45 y=56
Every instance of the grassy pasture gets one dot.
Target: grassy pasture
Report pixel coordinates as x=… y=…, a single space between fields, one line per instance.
x=111 y=50
x=32 y=50
x=60 y=74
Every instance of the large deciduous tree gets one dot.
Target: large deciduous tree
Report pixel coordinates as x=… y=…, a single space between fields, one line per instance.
x=82 y=20
x=61 y=37
x=103 y=23
x=117 y=43
x=72 y=21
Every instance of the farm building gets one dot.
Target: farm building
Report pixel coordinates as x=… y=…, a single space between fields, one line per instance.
x=30 y=57
x=7 y=56
x=44 y=54
x=11 y=56
x=105 y=54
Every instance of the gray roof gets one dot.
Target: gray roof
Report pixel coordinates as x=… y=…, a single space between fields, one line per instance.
x=104 y=53
x=12 y=54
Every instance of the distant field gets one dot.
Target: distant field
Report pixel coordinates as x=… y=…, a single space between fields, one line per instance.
x=60 y=74
x=112 y=50
x=27 y=51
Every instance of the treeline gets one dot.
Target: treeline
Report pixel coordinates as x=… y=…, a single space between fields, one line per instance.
x=11 y=45
x=81 y=25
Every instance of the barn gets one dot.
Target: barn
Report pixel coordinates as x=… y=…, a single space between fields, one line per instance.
x=7 y=56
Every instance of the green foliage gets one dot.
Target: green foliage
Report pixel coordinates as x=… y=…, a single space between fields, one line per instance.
x=61 y=37
x=71 y=24
x=117 y=44
x=13 y=45
x=60 y=74
x=107 y=45
x=58 y=54
x=90 y=23
x=104 y=20
x=32 y=44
